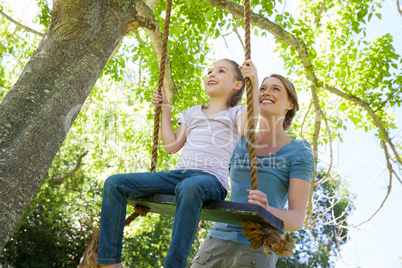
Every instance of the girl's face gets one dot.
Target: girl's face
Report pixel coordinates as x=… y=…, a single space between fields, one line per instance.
x=273 y=97
x=220 y=80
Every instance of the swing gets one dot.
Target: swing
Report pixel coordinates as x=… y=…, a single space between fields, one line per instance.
x=213 y=210
x=252 y=217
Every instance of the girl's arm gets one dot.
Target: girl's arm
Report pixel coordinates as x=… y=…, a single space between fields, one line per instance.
x=249 y=70
x=172 y=142
x=293 y=218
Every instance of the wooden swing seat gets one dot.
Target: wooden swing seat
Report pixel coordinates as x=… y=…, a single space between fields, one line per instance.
x=213 y=210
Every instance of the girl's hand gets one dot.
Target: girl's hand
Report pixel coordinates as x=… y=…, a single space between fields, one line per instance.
x=159 y=99
x=249 y=70
x=257 y=197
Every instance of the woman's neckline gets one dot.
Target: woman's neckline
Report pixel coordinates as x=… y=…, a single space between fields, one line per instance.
x=265 y=155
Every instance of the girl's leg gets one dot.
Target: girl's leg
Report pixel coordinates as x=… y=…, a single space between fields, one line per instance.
x=117 y=189
x=190 y=194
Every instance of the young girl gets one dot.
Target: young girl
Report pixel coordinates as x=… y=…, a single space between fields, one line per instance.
x=208 y=135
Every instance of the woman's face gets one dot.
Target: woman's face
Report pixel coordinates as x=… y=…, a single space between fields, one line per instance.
x=273 y=97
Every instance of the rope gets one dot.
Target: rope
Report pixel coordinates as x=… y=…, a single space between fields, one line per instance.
x=90 y=258
x=256 y=235
x=162 y=66
x=138 y=211
x=160 y=85
x=249 y=92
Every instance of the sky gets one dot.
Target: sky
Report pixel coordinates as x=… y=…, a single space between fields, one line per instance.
x=359 y=159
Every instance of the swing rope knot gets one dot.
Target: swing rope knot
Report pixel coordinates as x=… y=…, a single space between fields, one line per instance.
x=138 y=211
x=257 y=236
x=90 y=258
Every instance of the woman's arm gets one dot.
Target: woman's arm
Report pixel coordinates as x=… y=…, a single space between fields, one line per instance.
x=293 y=218
x=172 y=142
x=248 y=70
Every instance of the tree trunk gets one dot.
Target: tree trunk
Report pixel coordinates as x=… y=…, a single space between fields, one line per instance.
x=39 y=110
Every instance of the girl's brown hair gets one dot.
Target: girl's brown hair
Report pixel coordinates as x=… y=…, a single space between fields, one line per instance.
x=236 y=97
x=292 y=95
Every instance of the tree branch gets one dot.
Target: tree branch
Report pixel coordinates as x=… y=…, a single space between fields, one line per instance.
x=21 y=26
x=156 y=39
x=141 y=22
x=318 y=242
x=389 y=166
x=322 y=7
x=399 y=7
x=237 y=33
x=327 y=174
x=386 y=101
x=317 y=127
x=224 y=39
x=60 y=180
x=304 y=119
x=366 y=106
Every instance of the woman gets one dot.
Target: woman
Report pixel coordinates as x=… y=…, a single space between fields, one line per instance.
x=285 y=168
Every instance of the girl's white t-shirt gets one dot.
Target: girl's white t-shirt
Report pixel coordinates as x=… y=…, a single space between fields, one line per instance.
x=210 y=141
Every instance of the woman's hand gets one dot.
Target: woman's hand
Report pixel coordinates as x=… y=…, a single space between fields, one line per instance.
x=257 y=197
x=159 y=98
x=248 y=70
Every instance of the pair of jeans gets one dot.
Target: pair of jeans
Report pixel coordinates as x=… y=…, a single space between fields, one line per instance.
x=191 y=188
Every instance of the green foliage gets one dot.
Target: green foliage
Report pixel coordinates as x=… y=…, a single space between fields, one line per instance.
x=43 y=17
x=50 y=234
x=16 y=47
x=148 y=248
x=44 y=242
x=342 y=56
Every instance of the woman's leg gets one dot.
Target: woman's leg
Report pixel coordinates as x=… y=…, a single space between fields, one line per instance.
x=218 y=253
x=117 y=189
x=196 y=188
x=211 y=253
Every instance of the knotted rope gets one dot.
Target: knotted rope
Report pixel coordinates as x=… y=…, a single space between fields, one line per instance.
x=249 y=92
x=138 y=211
x=90 y=258
x=162 y=65
x=256 y=235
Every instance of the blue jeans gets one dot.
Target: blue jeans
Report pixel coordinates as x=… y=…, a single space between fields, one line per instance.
x=191 y=188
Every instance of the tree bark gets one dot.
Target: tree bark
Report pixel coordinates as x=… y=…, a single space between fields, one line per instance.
x=40 y=108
